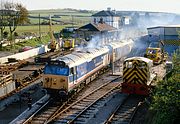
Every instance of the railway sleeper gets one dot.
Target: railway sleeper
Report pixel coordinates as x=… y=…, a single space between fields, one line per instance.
x=38 y=122
x=74 y=111
x=125 y=109
x=78 y=107
x=84 y=103
x=92 y=108
x=61 y=121
x=90 y=111
x=86 y=100
x=70 y=117
x=122 y=116
x=97 y=105
x=48 y=112
x=123 y=122
x=85 y=116
x=81 y=120
x=40 y=119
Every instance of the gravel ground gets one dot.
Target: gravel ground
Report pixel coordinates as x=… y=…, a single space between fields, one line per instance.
x=140 y=115
x=104 y=112
x=16 y=108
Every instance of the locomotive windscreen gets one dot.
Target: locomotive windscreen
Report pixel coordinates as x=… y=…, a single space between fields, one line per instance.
x=56 y=70
x=56 y=62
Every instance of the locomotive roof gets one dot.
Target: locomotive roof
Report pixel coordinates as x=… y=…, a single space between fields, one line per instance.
x=146 y=60
x=79 y=57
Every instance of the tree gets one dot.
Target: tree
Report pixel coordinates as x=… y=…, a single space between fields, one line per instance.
x=23 y=12
x=15 y=14
x=2 y=24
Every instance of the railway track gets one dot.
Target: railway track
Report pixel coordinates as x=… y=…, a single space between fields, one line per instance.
x=43 y=113
x=76 y=110
x=125 y=112
x=50 y=110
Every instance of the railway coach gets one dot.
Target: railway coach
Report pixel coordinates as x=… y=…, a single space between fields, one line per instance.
x=137 y=75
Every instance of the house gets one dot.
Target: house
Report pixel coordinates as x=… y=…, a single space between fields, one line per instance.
x=101 y=29
x=107 y=16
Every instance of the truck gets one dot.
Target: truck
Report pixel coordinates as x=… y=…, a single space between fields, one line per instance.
x=158 y=55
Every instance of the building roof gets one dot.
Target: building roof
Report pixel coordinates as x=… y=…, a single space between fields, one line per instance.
x=105 y=13
x=97 y=27
x=166 y=26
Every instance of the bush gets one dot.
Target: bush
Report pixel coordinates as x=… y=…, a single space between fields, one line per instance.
x=166 y=97
x=16 y=34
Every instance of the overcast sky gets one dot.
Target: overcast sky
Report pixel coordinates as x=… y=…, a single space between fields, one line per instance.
x=140 y=5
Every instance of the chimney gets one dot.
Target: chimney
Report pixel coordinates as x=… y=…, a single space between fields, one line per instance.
x=114 y=11
x=109 y=9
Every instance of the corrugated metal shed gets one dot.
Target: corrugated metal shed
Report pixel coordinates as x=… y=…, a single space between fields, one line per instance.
x=168 y=34
x=164 y=30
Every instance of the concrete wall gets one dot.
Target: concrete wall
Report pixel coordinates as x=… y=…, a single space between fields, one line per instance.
x=26 y=54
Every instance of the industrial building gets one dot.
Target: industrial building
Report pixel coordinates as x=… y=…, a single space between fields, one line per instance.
x=168 y=35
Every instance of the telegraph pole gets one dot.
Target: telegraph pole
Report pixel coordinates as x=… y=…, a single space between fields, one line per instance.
x=39 y=27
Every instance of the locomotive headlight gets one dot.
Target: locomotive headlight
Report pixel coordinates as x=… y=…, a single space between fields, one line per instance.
x=47 y=79
x=62 y=80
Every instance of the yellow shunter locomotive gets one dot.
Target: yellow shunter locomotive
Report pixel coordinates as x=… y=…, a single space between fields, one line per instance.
x=137 y=75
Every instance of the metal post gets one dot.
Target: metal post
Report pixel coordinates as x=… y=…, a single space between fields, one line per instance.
x=72 y=20
x=39 y=28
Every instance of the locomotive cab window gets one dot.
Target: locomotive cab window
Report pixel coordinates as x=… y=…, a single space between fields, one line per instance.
x=54 y=69
x=73 y=70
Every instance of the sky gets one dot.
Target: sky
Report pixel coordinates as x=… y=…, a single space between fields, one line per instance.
x=139 y=5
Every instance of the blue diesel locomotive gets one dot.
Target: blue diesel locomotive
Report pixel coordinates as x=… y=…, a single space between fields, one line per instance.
x=66 y=74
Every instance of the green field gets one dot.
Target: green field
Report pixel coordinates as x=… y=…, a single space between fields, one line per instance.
x=67 y=16
x=76 y=17
x=35 y=28
x=61 y=11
